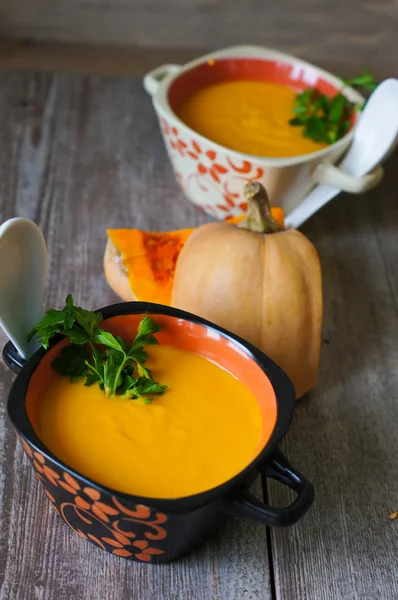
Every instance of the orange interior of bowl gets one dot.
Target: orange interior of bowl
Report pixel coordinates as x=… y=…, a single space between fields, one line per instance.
x=295 y=77
x=181 y=334
x=229 y=69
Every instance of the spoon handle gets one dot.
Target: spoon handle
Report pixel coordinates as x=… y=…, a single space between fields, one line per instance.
x=319 y=196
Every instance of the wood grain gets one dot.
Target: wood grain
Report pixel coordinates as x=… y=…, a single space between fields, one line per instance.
x=79 y=155
x=89 y=59
x=321 y=29
x=345 y=434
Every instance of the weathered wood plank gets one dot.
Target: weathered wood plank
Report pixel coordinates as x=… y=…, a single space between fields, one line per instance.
x=89 y=59
x=323 y=29
x=105 y=59
x=345 y=433
x=78 y=155
x=75 y=157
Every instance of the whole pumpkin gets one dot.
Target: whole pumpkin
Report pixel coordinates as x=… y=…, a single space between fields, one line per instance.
x=259 y=281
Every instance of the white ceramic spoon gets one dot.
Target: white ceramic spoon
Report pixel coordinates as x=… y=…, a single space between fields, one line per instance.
x=23 y=268
x=375 y=137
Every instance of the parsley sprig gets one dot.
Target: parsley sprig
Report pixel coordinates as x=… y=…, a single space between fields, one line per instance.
x=327 y=119
x=96 y=354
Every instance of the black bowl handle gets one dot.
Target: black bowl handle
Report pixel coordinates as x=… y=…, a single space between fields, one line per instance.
x=243 y=504
x=12 y=358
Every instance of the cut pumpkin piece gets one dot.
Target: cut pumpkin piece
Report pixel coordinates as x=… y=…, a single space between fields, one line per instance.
x=140 y=265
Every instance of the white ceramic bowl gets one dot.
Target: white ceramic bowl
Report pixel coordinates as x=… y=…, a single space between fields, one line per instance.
x=212 y=176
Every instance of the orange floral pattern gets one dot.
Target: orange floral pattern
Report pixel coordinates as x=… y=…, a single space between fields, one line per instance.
x=214 y=175
x=126 y=531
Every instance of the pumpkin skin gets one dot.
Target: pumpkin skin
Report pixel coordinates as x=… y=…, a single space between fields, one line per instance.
x=116 y=273
x=140 y=265
x=264 y=287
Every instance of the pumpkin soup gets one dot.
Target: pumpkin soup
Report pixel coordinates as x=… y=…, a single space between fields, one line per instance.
x=247 y=116
x=204 y=430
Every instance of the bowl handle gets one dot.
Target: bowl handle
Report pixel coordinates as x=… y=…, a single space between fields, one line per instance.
x=12 y=358
x=329 y=174
x=243 y=504
x=153 y=79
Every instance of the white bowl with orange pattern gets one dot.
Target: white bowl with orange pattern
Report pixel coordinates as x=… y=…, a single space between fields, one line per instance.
x=213 y=176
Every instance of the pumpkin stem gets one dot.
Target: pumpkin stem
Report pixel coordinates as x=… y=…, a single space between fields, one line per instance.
x=258 y=217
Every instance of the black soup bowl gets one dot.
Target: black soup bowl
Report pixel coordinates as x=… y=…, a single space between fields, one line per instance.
x=157 y=530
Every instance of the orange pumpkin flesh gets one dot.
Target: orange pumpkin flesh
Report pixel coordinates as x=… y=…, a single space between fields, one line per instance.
x=260 y=282
x=140 y=265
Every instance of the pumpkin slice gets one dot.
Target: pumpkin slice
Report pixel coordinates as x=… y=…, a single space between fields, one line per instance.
x=140 y=265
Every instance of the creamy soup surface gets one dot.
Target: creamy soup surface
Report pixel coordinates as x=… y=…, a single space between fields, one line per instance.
x=204 y=430
x=247 y=116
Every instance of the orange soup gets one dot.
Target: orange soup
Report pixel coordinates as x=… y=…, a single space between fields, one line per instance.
x=205 y=429
x=247 y=116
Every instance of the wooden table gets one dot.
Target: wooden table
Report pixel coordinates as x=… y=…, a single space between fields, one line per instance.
x=80 y=154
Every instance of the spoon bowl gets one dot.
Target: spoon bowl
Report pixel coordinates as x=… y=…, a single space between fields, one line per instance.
x=376 y=133
x=23 y=269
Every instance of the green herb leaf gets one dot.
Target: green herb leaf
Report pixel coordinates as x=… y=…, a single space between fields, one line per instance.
x=87 y=319
x=143 y=371
x=125 y=345
x=327 y=119
x=96 y=370
x=68 y=321
x=300 y=110
x=127 y=383
x=336 y=109
x=129 y=369
x=91 y=378
x=140 y=387
x=297 y=121
x=71 y=362
x=344 y=127
x=76 y=336
x=315 y=129
x=48 y=326
x=146 y=328
x=70 y=318
x=106 y=338
x=366 y=81
x=138 y=355
x=112 y=368
x=113 y=374
x=44 y=337
x=149 y=386
x=325 y=103
x=305 y=96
